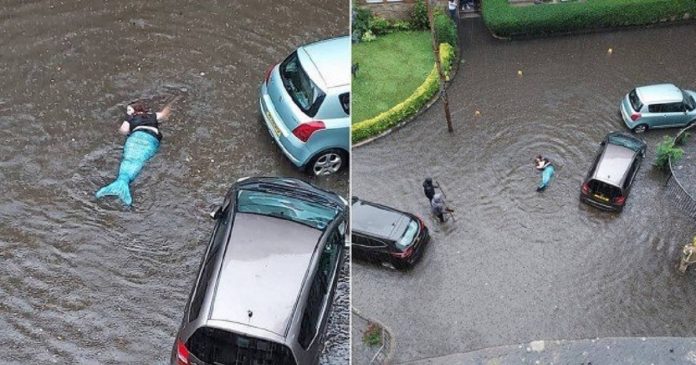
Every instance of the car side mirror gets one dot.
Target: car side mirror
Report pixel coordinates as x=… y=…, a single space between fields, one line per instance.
x=216 y=213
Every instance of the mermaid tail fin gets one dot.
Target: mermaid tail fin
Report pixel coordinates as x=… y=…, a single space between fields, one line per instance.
x=117 y=188
x=546 y=177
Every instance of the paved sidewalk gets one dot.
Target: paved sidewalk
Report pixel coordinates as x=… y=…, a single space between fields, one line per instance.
x=621 y=350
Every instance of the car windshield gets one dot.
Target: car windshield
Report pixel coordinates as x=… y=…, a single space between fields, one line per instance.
x=285 y=207
x=630 y=143
x=689 y=101
x=410 y=233
x=635 y=100
x=299 y=86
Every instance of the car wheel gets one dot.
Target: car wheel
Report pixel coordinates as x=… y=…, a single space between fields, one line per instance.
x=327 y=162
x=640 y=128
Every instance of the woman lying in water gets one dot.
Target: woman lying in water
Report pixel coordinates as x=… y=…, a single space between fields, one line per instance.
x=547 y=171
x=144 y=136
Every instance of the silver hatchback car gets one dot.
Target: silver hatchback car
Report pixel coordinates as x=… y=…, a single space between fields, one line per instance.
x=658 y=106
x=305 y=104
x=266 y=283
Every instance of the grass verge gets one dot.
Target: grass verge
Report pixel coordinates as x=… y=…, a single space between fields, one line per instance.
x=390 y=69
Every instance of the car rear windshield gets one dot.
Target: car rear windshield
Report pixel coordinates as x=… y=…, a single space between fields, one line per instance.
x=285 y=207
x=635 y=100
x=625 y=141
x=216 y=346
x=410 y=233
x=306 y=95
x=602 y=188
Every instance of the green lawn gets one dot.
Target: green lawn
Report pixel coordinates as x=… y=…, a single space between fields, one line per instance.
x=391 y=68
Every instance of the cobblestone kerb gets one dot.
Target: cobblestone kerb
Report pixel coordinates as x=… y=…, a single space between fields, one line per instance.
x=681 y=185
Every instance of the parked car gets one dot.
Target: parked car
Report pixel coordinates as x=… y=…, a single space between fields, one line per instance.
x=266 y=283
x=381 y=233
x=305 y=103
x=658 y=106
x=611 y=176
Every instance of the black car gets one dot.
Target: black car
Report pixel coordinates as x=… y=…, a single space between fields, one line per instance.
x=384 y=234
x=610 y=178
x=267 y=281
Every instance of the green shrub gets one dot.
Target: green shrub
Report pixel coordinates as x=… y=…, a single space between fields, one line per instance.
x=666 y=151
x=505 y=20
x=379 y=26
x=419 y=16
x=445 y=29
x=368 y=36
x=374 y=126
x=361 y=20
x=373 y=335
x=401 y=26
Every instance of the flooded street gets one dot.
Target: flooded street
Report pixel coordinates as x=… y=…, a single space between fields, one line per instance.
x=518 y=265
x=90 y=282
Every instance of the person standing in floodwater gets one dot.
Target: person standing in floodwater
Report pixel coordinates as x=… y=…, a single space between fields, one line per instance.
x=438 y=207
x=429 y=188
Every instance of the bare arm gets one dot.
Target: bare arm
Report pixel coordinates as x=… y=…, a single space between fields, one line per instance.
x=167 y=110
x=125 y=128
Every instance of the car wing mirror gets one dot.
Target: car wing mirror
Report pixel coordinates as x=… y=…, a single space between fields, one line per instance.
x=216 y=212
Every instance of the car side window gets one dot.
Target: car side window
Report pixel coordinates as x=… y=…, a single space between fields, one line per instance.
x=319 y=289
x=208 y=265
x=656 y=108
x=366 y=241
x=673 y=108
x=345 y=102
x=666 y=108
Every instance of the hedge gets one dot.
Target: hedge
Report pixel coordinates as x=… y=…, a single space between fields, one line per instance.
x=374 y=126
x=507 y=21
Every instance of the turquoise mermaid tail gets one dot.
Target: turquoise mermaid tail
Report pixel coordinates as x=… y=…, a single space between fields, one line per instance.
x=139 y=148
x=546 y=177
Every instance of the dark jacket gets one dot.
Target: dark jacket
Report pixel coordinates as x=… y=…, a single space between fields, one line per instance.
x=428 y=189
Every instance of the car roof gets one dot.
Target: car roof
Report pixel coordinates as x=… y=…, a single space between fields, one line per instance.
x=331 y=60
x=661 y=93
x=378 y=220
x=262 y=271
x=614 y=163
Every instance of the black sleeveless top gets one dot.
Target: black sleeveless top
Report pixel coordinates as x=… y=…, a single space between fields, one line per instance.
x=145 y=120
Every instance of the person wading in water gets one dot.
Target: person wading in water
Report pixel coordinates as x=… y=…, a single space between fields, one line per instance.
x=429 y=188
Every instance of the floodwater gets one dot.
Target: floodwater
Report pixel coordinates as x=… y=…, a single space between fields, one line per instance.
x=90 y=282
x=518 y=265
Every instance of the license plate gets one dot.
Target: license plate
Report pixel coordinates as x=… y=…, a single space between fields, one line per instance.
x=271 y=121
x=601 y=197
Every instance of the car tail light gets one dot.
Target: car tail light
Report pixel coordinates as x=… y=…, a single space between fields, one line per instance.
x=635 y=116
x=585 y=188
x=619 y=200
x=182 y=353
x=267 y=75
x=405 y=254
x=305 y=130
